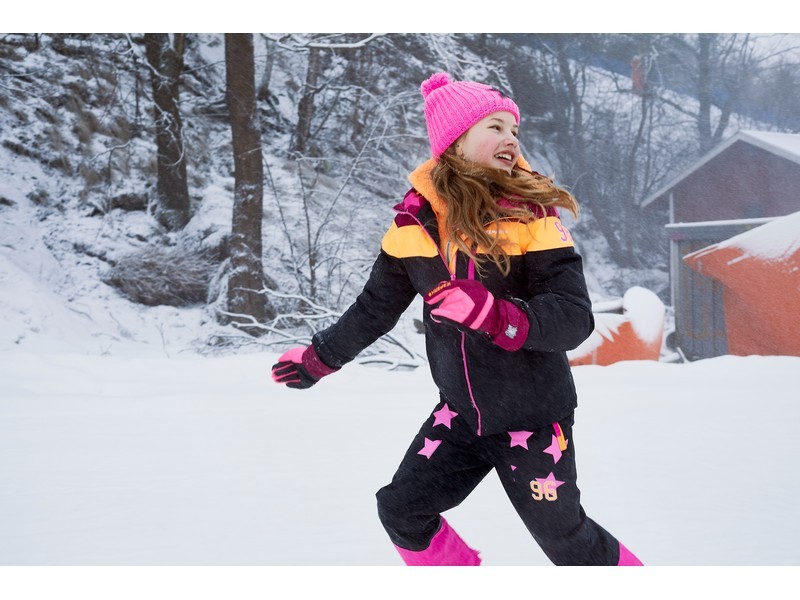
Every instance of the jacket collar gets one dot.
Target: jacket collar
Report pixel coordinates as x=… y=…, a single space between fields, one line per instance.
x=422 y=181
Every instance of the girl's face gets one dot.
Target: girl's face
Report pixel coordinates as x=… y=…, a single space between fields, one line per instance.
x=491 y=142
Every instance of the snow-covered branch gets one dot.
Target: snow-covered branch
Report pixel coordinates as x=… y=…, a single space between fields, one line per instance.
x=301 y=44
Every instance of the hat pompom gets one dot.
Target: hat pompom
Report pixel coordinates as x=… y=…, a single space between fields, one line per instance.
x=433 y=82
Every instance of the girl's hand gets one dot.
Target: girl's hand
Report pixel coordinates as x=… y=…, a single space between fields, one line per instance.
x=300 y=368
x=467 y=302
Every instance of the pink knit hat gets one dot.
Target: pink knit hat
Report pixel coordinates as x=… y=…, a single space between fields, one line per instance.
x=452 y=107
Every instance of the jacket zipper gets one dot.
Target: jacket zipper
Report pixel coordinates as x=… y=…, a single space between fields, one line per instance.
x=471 y=275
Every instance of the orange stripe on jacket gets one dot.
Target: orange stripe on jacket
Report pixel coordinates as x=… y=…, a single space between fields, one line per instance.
x=519 y=238
x=408 y=241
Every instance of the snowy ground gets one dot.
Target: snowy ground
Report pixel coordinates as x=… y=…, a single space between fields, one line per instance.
x=204 y=461
x=149 y=460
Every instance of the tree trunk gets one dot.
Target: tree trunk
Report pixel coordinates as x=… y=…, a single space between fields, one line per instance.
x=263 y=87
x=305 y=108
x=705 y=70
x=631 y=207
x=172 y=189
x=247 y=272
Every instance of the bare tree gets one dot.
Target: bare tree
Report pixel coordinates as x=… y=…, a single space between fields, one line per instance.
x=724 y=61
x=165 y=58
x=567 y=80
x=717 y=69
x=318 y=48
x=778 y=94
x=327 y=89
x=246 y=303
x=305 y=108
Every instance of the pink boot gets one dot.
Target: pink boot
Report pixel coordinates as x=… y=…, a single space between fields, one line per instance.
x=627 y=558
x=446 y=549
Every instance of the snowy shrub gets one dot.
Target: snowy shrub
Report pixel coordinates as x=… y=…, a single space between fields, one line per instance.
x=39 y=196
x=174 y=276
x=129 y=201
x=86 y=125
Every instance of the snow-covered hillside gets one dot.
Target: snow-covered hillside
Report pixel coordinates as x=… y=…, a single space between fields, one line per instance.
x=77 y=144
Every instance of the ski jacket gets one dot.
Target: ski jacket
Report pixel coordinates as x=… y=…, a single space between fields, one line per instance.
x=495 y=390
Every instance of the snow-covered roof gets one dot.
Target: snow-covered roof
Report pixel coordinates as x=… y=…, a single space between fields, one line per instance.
x=774 y=241
x=785 y=145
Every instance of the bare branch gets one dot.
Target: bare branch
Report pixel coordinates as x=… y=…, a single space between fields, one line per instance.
x=302 y=45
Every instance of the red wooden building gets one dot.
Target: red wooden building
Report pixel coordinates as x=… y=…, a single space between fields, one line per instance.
x=743 y=183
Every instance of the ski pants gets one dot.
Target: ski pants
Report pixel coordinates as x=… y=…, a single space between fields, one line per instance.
x=447 y=460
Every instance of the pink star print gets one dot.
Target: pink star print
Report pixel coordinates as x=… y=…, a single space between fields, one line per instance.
x=520 y=438
x=555 y=450
x=430 y=448
x=443 y=416
x=551 y=478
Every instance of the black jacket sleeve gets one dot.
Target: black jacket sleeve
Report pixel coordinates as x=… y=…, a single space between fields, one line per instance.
x=386 y=295
x=559 y=308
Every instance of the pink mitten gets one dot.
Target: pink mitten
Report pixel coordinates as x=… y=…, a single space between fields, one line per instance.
x=467 y=302
x=300 y=368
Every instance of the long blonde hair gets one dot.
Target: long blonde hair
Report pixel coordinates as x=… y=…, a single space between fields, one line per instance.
x=472 y=191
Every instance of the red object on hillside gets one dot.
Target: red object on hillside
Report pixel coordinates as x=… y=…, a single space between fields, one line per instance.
x=637 y=75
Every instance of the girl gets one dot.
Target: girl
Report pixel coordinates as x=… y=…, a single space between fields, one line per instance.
x=479 y=237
